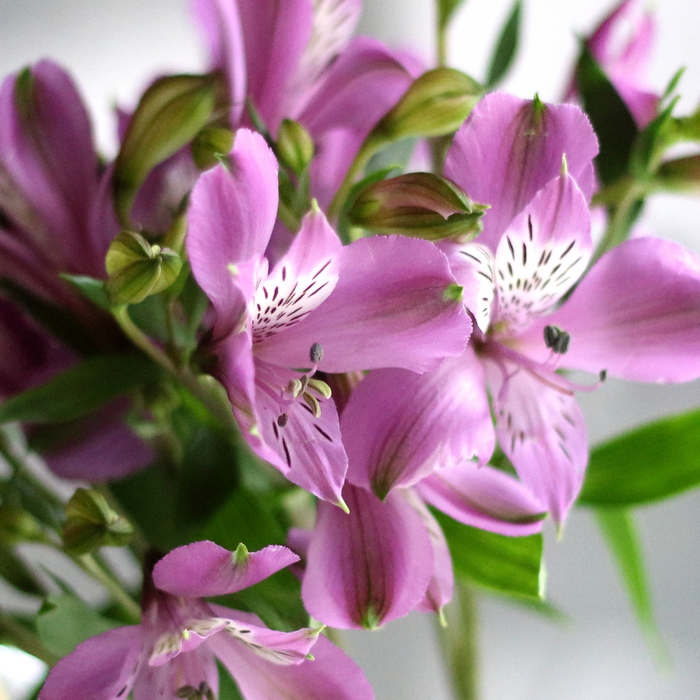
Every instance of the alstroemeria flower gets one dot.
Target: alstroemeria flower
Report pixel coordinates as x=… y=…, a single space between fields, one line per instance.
x=175 y=647
x=622 y=46
x=379 y=302
x=296 y=60
x=634 y=315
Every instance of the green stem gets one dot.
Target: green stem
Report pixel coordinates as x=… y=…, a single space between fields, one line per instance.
x=458 y=641
x=25 y=640
x=210 y=398
x=88 y=563
x=368 y=149
x=441 y=43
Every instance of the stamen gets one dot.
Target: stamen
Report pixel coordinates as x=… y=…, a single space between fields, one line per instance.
x=316 y=353
x=556 y=339
x=321 y=387
x=312 y=403
x=282 y=420
x=295 y=387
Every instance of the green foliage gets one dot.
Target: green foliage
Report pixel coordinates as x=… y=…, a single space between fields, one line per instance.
x=647 y=464
x=446 y=10
x=508 y=565
x=506 y=47
x=65 y=620
x=91 y=288
x=81 y=389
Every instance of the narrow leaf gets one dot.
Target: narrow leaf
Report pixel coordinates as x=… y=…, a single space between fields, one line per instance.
x=611 y=119
x=80 y=389
x=621 y=536
x=653 y=462
x=509 y=565
x=506 y=47
x=446 y=9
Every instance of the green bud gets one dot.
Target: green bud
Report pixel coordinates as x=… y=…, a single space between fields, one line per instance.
x=170 y=114
x=421 y=205
x=138 y=269
x=91 y=523
x=17 y=525
x=295 y=146
x=680 y=175
x=435 y=104
x=210 y=144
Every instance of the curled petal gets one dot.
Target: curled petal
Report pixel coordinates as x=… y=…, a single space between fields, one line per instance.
x=541 y=429
x=509 y=148
x=395 y=305
x=484 y=497
x=101 y=668
x=635 y=314
x=369 y=566
x=400 y=426
x=231 y=216
x=204 y=569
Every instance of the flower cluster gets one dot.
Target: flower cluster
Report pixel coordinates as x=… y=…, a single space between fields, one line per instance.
x=244 y=328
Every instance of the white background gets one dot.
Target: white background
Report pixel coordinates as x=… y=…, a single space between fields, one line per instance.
x=115 y=47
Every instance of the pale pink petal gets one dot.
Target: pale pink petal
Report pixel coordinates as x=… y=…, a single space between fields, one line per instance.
x=542 y=254
x=635 y=314
x=510 y=148
x=486 y=498
x=393 y=306
x=101 y=668
x=231 y=216
x=331 y=675
x=541 y=430
x=205 y=569
x=400 y=426
x=367 y=567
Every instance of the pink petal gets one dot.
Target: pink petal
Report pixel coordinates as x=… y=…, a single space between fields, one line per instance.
x=331 y=675
x=275 y=34
x=231 y=217
x=542 y=431
x=484 y=497
x=635 y=314
x=399 y=427
x=390 y=308
x=369 y=566
x=100 y=668
x=204 y=569
x=164 y=681
x=221 y=25
x=507 y=150
x=542 y=254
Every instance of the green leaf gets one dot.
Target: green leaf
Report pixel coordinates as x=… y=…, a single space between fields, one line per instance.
x=621 y=536
x=611 y=119
x=228 y=690
x=507 y=565
x=653 y=462
x=506 y=47
x=64 y=621
x=17 y=573
x=170 y=114
x=80 y=389
x=446 y=9
x=91 y=288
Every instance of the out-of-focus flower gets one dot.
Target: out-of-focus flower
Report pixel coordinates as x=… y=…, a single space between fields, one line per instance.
x=173 y=652
x=380 y=302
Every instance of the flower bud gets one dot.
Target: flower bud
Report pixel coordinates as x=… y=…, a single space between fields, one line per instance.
x=91 y=523
x=294 y=146
x=421 y=205
x=435 y=104
x=138 y=269
x=680 y=175
x=209 y=144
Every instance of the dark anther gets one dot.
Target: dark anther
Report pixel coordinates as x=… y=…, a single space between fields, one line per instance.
x=603 y=375
x=316 y=353
x=282 y=420
x=556 y=339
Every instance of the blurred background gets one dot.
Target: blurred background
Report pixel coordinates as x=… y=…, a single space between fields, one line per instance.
x=114 y=48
